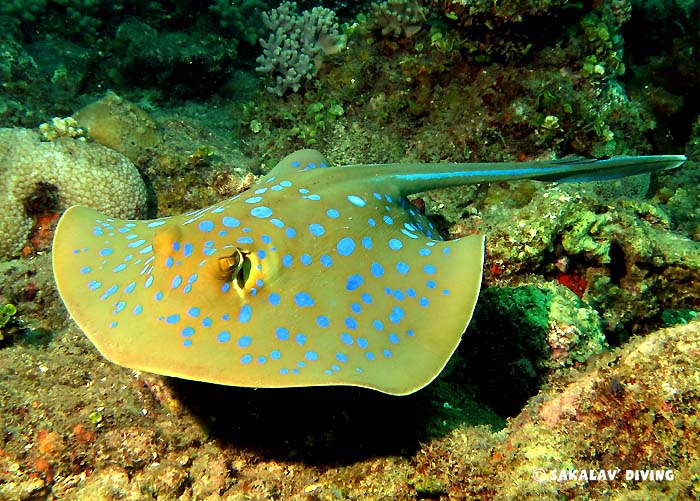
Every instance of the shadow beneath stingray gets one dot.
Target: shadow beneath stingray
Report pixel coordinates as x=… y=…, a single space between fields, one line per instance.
x=333 y=425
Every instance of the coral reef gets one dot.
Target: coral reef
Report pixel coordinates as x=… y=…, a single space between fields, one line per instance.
x=470 y=12
x=398 y=18
x=18 y=70
x=182 y=64
x=538 y=329
x=243 y=18
x=293 y=52
x=79 y=172
x=619 y=255
x=482 y=80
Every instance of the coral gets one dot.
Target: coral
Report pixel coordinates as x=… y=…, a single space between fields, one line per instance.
x=473 y=12
x=398 y=18
x=21 y=90
x=633 y=187
x=81 y=172
x=61 y=127
x=15 y=63
x=292 y=53
x=119 y=125
x=643 y=398
x=189 y=64
x=243 y=18
x=26 y=10
x=538 y=328
x=619 y=256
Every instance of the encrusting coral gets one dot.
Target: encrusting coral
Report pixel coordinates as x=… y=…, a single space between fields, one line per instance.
x=118 y=124
x=82 y=173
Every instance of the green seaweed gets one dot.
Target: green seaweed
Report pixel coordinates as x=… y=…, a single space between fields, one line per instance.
x=671 y=317
x=7 y=314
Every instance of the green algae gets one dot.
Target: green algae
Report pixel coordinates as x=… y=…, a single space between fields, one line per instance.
x=672 y=317
x=520 y=334
x=7 y=312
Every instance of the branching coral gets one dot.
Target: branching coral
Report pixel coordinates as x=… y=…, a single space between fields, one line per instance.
x=293 y=52
x=398 y=18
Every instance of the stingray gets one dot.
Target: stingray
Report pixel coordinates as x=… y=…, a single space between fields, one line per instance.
x=318 y=275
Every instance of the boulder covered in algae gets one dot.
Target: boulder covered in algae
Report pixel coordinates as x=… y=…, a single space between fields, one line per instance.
x=120 y=125
x=621 y=254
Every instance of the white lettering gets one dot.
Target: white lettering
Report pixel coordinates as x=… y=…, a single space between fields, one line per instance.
x=583 y=475
x=649 y=475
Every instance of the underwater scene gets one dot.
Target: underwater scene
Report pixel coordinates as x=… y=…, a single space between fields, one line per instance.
x=330 y=250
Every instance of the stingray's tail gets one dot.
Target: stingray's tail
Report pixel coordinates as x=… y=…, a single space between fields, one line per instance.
x=414 y=178
x=587 y=169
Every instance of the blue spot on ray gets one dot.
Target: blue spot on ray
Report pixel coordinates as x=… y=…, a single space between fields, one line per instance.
x=316 y=229
x=303 y=299
x=261 y=212
x=345 y=246
x=354 y=281
x=355 y=200
x=245 y=313
x=205 y=226
x=395 y=244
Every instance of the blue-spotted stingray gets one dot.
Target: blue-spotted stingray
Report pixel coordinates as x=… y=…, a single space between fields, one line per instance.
x=318 y=275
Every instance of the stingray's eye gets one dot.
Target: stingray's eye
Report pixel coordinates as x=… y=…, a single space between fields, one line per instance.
x=235 y=267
